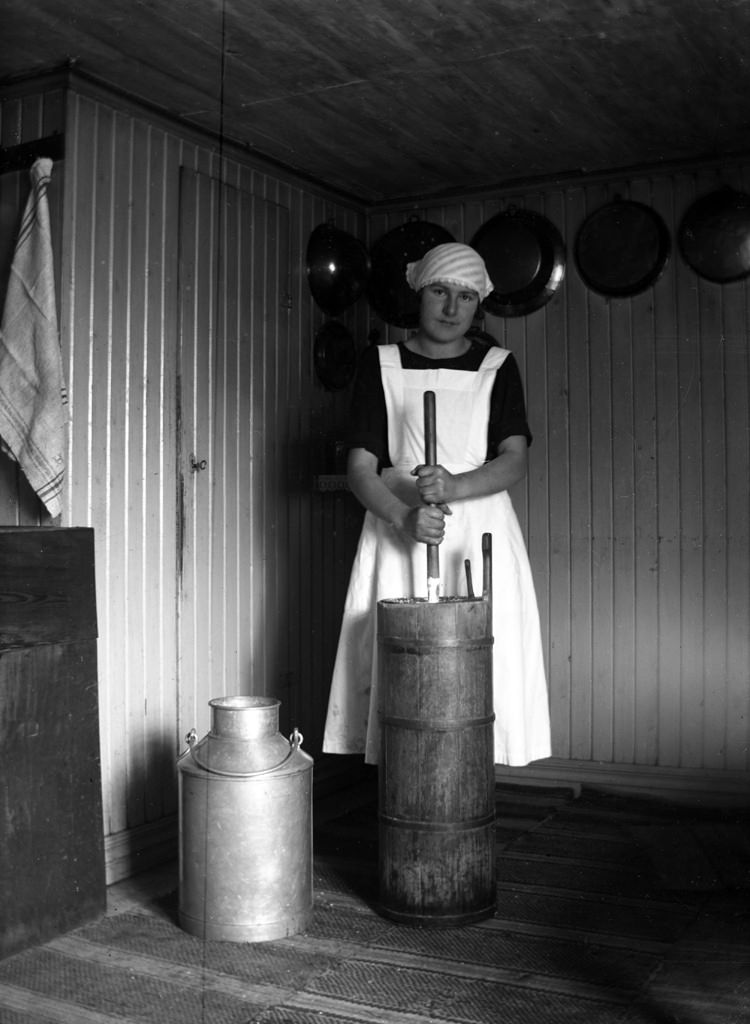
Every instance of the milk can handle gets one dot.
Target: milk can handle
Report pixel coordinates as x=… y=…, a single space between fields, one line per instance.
x=295 y=741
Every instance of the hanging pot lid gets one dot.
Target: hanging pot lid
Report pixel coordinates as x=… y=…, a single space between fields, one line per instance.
x=335 y=355
x=387 y=290
x=337 y=268
x=525 y=258
x=714 y=235
x=622 y=248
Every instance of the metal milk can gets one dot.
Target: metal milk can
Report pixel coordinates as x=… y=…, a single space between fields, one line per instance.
x=245 y=820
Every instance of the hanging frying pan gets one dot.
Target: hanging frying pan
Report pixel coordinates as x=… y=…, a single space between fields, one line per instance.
x=335 y=355
x=387 y=291
x=525 y=258
x=714 y=235
x=622 y=248
x=337 y=268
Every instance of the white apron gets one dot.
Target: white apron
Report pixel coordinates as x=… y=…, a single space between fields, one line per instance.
x=387 y=565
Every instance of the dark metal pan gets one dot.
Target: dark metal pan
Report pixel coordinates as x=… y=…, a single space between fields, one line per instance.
x=387 y=290
x=335 y=355
x=622 y=248
x=337 y=268
x=714 y=235
x=525 y=258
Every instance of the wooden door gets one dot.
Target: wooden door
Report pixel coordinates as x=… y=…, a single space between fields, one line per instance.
x=232 y=424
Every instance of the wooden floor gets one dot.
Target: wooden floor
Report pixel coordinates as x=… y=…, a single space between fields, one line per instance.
x=609 y=911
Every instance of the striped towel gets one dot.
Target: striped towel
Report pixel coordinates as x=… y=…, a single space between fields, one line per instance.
x=33 y=400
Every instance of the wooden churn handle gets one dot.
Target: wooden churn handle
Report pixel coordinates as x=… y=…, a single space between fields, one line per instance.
x=487 y=567
x=430 y=458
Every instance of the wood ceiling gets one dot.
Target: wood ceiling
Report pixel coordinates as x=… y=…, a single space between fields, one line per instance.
x=387 y=100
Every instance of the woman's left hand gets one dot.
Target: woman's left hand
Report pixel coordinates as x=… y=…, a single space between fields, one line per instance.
x=435 y=484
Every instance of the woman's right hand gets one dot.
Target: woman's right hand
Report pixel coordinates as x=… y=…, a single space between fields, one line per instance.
x=422 y=523
x=425 y=523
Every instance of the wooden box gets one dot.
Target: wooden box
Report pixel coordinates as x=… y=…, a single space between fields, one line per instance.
x=51 y=836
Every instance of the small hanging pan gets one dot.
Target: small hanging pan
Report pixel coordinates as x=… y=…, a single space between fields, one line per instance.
x=525 y=258
x=335 y=355
x=714 y=236
x=622 y=248
x=337 y=268
x=387 y=291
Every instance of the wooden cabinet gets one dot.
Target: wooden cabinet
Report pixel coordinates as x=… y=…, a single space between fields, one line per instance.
x=51 y=835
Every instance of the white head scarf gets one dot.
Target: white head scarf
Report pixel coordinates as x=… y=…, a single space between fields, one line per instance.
x=453 y=263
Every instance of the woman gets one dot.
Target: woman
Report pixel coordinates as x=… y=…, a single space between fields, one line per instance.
x=482 y=438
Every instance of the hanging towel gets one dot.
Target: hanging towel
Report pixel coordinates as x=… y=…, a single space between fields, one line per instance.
x=33 y=400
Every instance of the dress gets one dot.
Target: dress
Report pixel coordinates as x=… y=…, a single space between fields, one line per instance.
x=388 y=565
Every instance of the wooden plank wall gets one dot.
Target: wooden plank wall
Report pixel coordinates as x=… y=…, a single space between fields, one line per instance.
x=261 y=563
x=129 y=451
x=636 y=505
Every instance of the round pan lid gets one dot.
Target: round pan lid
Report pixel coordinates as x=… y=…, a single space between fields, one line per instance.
x=337 y=268
x=387 y=290
x=622 y=248
x=335 y=355
x=714 y=236
x=525 y=258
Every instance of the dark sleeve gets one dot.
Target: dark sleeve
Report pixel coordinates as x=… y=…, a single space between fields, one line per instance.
x=507 y=407
x=368 y=419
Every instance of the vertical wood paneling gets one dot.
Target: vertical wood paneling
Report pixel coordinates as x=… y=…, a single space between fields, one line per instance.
x=197 y=283
x=273 y=593
x=736 y=330
x=550 y=384
x=600 y=501
x=300 y=693
x=713 y=664
x=667 y=347
x=690 y=544
x=119 y=311
x=570 y=525
x=641 y=745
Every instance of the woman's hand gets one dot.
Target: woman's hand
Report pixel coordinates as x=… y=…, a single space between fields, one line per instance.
x=436 y=485
x=425 y=523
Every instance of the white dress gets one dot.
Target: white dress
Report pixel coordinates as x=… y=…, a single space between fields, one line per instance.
x=387 y=565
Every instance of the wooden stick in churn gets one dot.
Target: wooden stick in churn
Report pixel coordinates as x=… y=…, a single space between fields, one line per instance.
x=430 y=443
x=487 y=567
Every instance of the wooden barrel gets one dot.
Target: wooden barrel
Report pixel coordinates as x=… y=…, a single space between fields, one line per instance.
x=437 y=785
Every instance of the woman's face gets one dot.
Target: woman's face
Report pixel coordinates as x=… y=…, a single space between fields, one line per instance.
x=446 y=311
